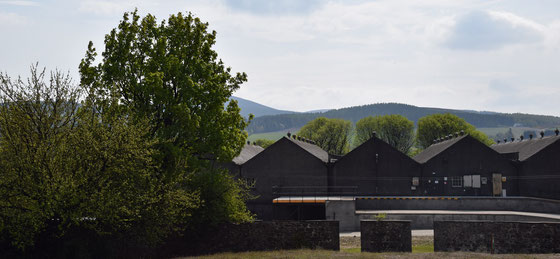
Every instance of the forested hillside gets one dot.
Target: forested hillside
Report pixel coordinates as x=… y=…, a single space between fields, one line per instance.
x=413 y=113
x=256 y=109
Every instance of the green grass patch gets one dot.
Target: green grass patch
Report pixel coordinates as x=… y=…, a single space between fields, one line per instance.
x=424 y=248
x=351 y=250
x=271 y=135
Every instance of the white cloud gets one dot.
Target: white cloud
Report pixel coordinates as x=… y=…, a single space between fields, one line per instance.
x=12 y=19
x=20 y=3
x=484 y=30
x=337 y=53
x=115 y=7
x=104 y=7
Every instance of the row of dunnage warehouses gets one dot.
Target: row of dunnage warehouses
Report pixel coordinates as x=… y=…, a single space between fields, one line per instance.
x=457 y=165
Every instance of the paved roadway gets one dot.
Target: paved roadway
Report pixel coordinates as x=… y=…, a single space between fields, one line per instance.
x=415 y=233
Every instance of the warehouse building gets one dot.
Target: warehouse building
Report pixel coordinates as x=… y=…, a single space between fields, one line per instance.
x=461 y=165
x=377 y=168
x=538 y=163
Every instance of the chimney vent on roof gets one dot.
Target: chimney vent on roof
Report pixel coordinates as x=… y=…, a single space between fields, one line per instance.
x=542 y=134
x=462 y=132
x=557 y=131
x=248 y=142
x=374 y=134
x=254 y=143
x=456 y=134
x=530 y=136
x=497 y=141
x=294 y=136
x=289 y=134
x=450 y=136
x=512 y=139
x=521 y=138
x=505 y=140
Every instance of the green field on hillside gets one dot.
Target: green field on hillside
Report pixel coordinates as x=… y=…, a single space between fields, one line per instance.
x=272 y=135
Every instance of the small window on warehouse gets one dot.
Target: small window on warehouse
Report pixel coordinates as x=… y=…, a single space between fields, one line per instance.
x=457 y=181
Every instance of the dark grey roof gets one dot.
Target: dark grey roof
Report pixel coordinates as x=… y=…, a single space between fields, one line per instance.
x=312 y=149
x=248 y=152
x=436 y=149
x=526 y=148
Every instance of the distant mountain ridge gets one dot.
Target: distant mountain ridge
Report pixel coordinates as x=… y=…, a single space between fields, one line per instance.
x=486 y=119
x=256 y=109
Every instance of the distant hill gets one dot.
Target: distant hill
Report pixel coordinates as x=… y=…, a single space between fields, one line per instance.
x=273 y=123
x=256 y=109
x=318 y=111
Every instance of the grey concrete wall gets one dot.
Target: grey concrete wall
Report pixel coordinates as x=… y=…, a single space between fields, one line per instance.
x=386 y=236
x=426 y=221
x=345 y=213
x=497 y=237
x=464 y=203
x=260 y=236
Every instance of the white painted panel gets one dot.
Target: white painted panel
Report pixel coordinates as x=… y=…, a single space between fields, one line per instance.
x=476 y=181
x=467 y=181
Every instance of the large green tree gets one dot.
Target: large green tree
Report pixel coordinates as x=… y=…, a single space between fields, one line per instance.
x=169 y=73
x=332 y=135
x=435 y=126
x=396 y=130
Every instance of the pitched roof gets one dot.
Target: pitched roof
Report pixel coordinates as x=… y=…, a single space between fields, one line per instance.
x=436 y=149
x=526 y=148
x=312 y=149
x=248 y=152
x=372 y=142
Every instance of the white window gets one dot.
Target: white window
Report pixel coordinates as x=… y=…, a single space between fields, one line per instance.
x=456 y=181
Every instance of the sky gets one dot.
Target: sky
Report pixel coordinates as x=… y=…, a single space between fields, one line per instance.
x=304 y=55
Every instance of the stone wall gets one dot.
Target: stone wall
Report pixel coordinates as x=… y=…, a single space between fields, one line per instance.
x=385 y=236
x=497 y=237
x=259 y=236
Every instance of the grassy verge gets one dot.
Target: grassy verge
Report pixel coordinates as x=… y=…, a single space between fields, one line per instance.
x=422 y=248
x=306 y=253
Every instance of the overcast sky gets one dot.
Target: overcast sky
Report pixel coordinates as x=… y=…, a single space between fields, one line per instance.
x=309 y=54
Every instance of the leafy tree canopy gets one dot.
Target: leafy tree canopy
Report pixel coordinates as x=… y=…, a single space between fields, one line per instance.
x=264 y=143
x=396 y=130
x=436 y=126
x=168 y=73
x=65 y=167
x=332 y=135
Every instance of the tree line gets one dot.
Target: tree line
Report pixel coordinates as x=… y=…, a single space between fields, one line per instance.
x=131 y=154
x=280 y=122
x=334 y=135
